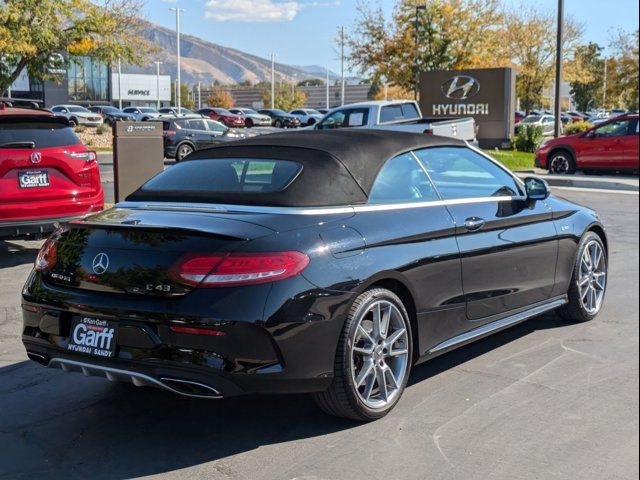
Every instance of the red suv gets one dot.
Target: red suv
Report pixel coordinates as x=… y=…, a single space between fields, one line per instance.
x=611 y=145
x=223 y=115
x=47 y=175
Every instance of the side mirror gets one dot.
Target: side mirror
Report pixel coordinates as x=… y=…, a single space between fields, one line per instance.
x=537 y=189
x=590 y=133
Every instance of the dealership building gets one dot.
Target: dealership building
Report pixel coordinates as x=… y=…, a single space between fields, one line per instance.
x=85 y=81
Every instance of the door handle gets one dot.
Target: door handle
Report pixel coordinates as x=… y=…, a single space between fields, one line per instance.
x=474 y=223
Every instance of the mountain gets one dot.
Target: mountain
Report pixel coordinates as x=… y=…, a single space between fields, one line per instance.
x=318 y=71
x=208 y=62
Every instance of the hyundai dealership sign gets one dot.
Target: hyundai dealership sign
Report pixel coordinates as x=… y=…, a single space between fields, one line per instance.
x=140 y=88
x=487 y=95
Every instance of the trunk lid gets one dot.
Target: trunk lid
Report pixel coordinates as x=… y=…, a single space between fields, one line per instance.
x=130 y=252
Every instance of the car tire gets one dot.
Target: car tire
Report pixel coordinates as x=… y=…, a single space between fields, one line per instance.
x=278 y=124
x=311 y=121
x=248 y=123
x=183 y=151
x=73 y=122
x=366 y=360
x=561 y=162
x=588 y=283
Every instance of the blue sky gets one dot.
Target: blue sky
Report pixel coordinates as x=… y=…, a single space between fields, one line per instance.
x=301 y=32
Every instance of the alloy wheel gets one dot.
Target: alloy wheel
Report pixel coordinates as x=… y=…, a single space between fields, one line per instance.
x=183 y=151
x=560 y=164
x=592 y=281
x=380 y=354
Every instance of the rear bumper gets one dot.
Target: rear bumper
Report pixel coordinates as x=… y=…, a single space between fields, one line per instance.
x=35 y=228
x=540 y=160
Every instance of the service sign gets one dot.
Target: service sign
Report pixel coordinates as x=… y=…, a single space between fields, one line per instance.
x=141 y=88
x=487 y=95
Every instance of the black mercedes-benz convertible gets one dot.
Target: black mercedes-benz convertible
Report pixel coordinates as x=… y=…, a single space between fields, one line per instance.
x=319 y=262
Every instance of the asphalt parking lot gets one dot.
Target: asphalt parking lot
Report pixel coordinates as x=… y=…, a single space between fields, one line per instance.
x=545 y=399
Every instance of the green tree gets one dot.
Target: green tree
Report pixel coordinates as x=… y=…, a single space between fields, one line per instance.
x=588 y=69
x=185 y=98
x=34 y=34
x=287 y=97
x=452 y=34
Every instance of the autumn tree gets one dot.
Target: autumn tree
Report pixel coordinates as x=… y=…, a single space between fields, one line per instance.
x=221 y=98
x=586 y=68
x=287 y=97
x=32 y=32
x=528 y=43
x=452 y=34
x=622 y=82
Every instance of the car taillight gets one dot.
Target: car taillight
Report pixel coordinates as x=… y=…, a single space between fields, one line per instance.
x=428 y=131
x=197 y=331
x=47 y=256
x=88 y=157
x=221 y=270
x=169 y=133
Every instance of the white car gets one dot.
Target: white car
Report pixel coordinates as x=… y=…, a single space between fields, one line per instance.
x=307 y=116
x=547 y=122
x=142 y=114
x=252 y=118
x=78 y=115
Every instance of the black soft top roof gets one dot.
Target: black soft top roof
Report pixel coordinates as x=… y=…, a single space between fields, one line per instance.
x=339 y=166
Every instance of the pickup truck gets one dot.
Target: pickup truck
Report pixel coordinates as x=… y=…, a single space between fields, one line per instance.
x=397 y=115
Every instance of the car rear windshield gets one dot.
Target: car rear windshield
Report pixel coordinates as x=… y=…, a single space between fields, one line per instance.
x=225 y=175
x=396 y=113
x=42 y=134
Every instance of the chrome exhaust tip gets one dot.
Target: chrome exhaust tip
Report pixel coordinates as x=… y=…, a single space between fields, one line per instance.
x=39 y=358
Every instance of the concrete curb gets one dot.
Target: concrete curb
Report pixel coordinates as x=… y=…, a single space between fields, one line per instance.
x=622 y=184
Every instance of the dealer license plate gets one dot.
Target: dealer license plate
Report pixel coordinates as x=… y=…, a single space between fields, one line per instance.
x=93 y=336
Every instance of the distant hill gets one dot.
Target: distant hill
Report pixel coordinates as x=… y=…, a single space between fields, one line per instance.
x=317 y=71
x=208 y=62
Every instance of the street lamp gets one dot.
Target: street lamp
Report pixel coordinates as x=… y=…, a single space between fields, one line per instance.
x=558 y=100
x=419 y=8
x=158 y=84
x=178 y=81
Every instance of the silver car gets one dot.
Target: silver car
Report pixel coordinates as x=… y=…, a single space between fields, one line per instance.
x=307 y=116
x=252 y=118
x=78 y=115
x=547 y=122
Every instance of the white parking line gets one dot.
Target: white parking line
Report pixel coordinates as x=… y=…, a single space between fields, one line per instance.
x=595 y=190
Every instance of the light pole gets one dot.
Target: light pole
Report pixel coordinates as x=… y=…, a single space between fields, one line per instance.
x=419 y=8
x=119 y=83
x=558 y=100
x=273 y=81
x=158 y=63
x=604 y=87
x=342 y=89
x=178 y=81
x=327 y=85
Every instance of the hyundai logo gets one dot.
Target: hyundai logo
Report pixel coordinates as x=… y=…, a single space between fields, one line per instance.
x=36 y=157
x=461 y=87
x=100 y=263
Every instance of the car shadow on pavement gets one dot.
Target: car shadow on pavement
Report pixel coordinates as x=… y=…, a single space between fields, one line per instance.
x=15 y=254
x=67 y=426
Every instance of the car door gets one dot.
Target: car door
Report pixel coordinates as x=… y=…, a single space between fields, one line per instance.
x=508 y=246
x=408 y=230
x=631 y=154
x=216 y=131
x=604 y=146
x=198 y=134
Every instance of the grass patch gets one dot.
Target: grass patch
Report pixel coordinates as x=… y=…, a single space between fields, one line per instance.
x=513 y=159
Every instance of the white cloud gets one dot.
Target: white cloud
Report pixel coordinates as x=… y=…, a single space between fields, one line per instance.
x=252 y=10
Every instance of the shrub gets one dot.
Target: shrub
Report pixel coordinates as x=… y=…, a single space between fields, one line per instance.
x=220 y=98
x=529 y=138
x=577 y=127
x=102 y=129
x=81 y=128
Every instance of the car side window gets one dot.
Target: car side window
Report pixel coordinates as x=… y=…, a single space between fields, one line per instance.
x=619 y=128
x=215 y=127
x=195 y=125
x=460 y=173
x=402 y=180
x=335 y=120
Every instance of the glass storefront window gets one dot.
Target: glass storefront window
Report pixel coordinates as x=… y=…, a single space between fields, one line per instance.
x=88 y=80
